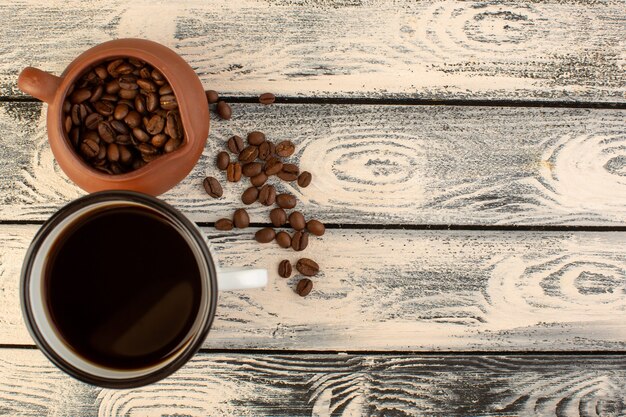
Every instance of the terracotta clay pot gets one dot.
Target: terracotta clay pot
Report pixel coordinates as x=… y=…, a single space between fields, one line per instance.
x=155 y=177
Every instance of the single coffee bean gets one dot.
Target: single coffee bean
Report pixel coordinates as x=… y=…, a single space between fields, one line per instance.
x=256 y=138
x=109 y=97
x=173 y=125
x=138 y=163
x=222 y=160
x=112 y=67
x=140 y=135
x=265 y=235
x=133 y=119
x=258 y=180
x=283 y=239
x=123 y=139
x=250 y=195
x=146 y=85
x=152 y=102
x=125 y=69
x=273 y=166
x=75 y=115
x=128 y=82
x=289 y=172
x=112 y=87
x=120 y=111
x=278 y=217
x=233 y=172
x=315 y=227
x=157 y=76
x=75 y=136
x=241 y=219
x=145 y=73
x=127 y=94
x=296 y=220
x=147 y=150
x=252 y=169
x=307 y=267
x=224 y=224
x=165 y=89
x=265 y=150
x=285 y=148
x=249 y=154
x=136 y=62
x=67 y=106
x=212 y=187
x=105 y=108
x=267 y=195
x=91 y=135
x=235 y=144
x=304 y=287
x=80 y=95
x=224 y=110
x=159 y=140
x=286 y=201
x=106 y=132
x=212 y=96
x=67 y=124
x=299 y=241
x=140 y=103
x=102 y=153
x=113 y=152
x=96 y=94
x=304 y=179
x=125 y=155
x=89 y=148
x=168 y=102
x=284 y=267
x=171 y=145
x=101 y=72
x=155 y=124
x=267 y=98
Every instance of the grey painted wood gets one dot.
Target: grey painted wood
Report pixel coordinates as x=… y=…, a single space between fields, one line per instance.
x=380 y=164
x=561 y=50
x=331 y=385
x=406 y=290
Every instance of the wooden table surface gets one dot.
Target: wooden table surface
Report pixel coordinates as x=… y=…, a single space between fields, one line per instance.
x=469 y=159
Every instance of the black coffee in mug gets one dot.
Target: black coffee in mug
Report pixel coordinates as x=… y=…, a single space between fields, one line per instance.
x=123 y=287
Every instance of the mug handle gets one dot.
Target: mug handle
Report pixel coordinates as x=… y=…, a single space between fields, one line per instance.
x=38 y=83
x=231 y=279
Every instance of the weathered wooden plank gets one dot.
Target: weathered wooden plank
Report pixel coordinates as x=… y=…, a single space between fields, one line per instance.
x=331 y=385
x=381 y=164
x=563 y=50
x=407 y=290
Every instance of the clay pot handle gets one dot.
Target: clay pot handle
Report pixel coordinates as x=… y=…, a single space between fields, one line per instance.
x=38 y=83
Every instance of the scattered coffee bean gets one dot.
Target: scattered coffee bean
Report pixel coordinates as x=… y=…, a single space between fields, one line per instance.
x=296 y=220
x=265 y=235
x=284 y=268
x=241 y=219
x=212 y=187
x=304 y=287
x=224 y=110
x=252 y=169
x=235 y=144
x=300 y=241
x=256 y=138
x=258 y=180
x=307 y=267
x=212 y=96
x=285 y=148
x=267 y=98
x=250 y=195
x=283 y=239
x=233 y=172
x=289 y=172
x=315 y=227
x=223 y=159
x=224 y=224
x=267 y=195
x=249 y=154
x=304 y=179
x=273 y=166
x=278 y=217
x=286 y=201
x=266 y=149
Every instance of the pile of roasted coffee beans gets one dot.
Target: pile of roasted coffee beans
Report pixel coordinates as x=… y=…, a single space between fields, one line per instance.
x=259 y=159
x=122 y=114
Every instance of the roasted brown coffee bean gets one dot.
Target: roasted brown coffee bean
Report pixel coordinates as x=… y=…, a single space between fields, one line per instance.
x=252 y=169
x=159 y=140
x=241 y=219
x=304 y=179
x=224 y=110
x=265 y=235
x=315 y=227
x=91 y=135
x=101 y=72
x=75 y=136
x=144 y=73
x=109 y=97
x=284 y=267
x=267 y=195
x=124 y=69
x=296 y=220
x=102 y=152
x=105 y=108
x=267 y=98
x=212 y=187
x=75 y=115
x=123 y=140
x=304 y=287
x=112 y=67
x=249 y=154
x=289 y=172
x=286 y=201
x=222 y=160
x=171 y=145
x=127 y=94
x=96 y=94
x=112 y=87
x=136 y=62
x=265 y=150
x=120 y=111
x=250 y=195
x=283 y=239
x=235 y=144
x=299 y=241
x=113 y=152
x=224 y=224
x=152 y=102
x=140 y=103
x=157 y=76
x=116 y=168
x=278 y=217
x=258 y=180
x=256 y=138
x=67 y=124
x=80 y=95
x=285 y=148
x=128 y=82
x=67 y=106
x=125 y=155
x=173 y=125
x=89 y=148
x=119 y=127
x=140 y=135
x=138 y=163
x=155 y=125
x=165 y=89
x=212 y=96
x=307 y=267
x=146 y=150
x=273 y=166
x=133 y=119
x=146 y=85
x=168 y=102
x=106 y=132
x=233 y=172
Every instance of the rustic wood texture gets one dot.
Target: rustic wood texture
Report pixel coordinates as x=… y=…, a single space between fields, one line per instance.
x=331 y=385
x=406 y=290
x=552 y=50
x=380 y=164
